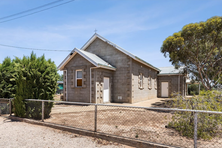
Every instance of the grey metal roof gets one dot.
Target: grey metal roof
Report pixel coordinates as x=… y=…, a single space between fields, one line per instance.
x=94 y=59
x=117 y=47
x=170 y=70
x=103 y=63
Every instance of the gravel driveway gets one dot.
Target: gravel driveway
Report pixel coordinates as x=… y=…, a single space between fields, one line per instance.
x=19 y=134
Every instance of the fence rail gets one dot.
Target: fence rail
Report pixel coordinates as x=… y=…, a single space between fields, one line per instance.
x=6 y=106
x=144 y=123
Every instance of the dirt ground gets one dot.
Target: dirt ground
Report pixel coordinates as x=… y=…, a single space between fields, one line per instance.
x=19 y=134
x=134 y=123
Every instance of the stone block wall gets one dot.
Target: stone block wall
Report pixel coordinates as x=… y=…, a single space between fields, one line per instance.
x=176 y=84
x=97 y=89
x=77 y=94
x=121 y=87
x=147 y=91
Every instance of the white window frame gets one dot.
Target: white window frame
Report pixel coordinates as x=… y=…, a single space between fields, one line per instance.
x=79 y=78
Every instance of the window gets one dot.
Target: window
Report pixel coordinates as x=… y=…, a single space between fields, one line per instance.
x=78 y=78
x=140 y=80
x=149 y=83
x=155 y=83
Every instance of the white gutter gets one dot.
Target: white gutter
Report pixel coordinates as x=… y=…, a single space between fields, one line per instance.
x=66 y=86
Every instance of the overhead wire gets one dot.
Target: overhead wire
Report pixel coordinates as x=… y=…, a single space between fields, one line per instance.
x=19 y=13
x=33 y=48
x=37 y=11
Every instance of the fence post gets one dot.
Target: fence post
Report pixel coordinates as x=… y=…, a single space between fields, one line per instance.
x=43 y=110
x=10 y=106
x=195 y=129
x=95 y=128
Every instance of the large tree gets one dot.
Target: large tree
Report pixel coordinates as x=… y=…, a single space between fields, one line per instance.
x=198 y=46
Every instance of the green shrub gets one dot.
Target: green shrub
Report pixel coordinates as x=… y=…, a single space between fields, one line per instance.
x=37 y=79
x=208 y=124
x=34 y=109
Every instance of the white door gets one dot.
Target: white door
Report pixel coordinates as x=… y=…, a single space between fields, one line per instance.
x=164 y=89
x=105 y=89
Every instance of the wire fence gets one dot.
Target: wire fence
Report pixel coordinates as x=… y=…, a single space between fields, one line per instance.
x=5 y=106
x=143 y=123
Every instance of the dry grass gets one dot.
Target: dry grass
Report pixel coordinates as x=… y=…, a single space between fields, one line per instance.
x=134 y=123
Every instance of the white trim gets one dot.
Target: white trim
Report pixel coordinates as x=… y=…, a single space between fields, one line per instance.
x=66 y=86
x=83 y=55
x=117 y=47
x=75 y=51
x=110 y=43
x=60 y=65
x=78 y=78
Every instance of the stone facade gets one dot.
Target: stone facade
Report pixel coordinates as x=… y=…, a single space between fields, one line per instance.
x=146 y=91
x=77 y=94
x=176 y=83
x=121 y=87
x=129 y=82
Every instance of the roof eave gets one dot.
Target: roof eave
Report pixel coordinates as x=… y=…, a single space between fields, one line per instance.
x=117 y=47
x=145 y=63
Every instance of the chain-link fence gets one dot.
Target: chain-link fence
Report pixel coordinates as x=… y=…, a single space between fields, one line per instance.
x=166 y=126
x=5 y=106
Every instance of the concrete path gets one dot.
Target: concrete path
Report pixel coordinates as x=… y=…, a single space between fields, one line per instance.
x=148 y=103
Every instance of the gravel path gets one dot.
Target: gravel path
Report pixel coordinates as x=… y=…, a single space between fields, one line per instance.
x=19 y=134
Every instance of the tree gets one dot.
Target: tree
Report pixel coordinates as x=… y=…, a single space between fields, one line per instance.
x=198 y=47
x=7 y=79
x=37 y=80
x=61 y=77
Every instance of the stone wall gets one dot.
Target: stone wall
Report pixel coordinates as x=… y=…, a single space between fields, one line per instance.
x=147 y=91
x=121 y=77
x=77 y=94
x=97 y=89
x=176 y=84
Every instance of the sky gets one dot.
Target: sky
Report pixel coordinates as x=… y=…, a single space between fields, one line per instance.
x=138 y=26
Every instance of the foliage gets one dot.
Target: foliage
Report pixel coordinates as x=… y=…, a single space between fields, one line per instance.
x=60 y=77
x=193 y=89
x=208 y=124
x=7 y=79
x=198 y=47
x=28 y=78
x=21 y=94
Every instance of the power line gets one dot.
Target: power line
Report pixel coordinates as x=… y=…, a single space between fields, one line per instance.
x=37 y=11
x=33 y=48
x=30 y=9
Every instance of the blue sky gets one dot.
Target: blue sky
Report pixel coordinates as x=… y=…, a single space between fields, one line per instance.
x=138 y=26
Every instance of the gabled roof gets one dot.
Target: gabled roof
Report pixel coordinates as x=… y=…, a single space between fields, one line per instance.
x=171 y=70
x=119 y=48
x=92 y=58
x=69 y=57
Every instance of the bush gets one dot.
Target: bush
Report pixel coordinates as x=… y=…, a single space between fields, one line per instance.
x=208 y=124
x=37 y=79
x=34 y=109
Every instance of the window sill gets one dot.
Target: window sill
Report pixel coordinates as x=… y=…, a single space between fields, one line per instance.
x=141 y=88
x=80 y=87
x=150 y=88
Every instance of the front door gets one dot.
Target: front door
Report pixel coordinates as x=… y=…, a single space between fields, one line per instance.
x=105 y=89
x=164 y=89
